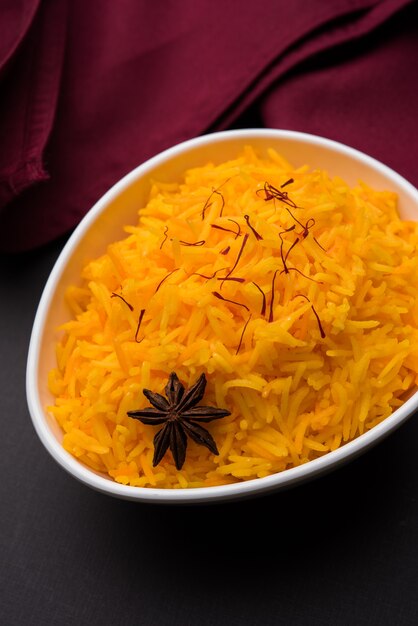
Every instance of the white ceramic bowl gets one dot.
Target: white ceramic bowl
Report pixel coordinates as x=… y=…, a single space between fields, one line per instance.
x=103 y=224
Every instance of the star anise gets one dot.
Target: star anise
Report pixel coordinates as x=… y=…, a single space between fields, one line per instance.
x=180 y=416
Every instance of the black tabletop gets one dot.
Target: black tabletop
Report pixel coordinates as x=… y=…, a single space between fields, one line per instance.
x=340 y=550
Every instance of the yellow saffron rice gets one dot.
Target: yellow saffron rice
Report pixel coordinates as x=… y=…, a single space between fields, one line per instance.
x=294 y=394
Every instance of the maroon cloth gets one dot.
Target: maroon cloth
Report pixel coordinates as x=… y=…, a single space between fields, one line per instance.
x=88 y=90
x=31 y=55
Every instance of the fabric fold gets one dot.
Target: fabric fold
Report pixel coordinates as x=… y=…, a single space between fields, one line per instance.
x=325 y=39
x=16 y=19
x=140 y=77
x=364 y=94
x=30 y=90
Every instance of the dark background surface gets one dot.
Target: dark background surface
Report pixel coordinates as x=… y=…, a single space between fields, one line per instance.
x=340 y=550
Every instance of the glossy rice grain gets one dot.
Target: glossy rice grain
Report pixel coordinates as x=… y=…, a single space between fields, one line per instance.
x=312 y=342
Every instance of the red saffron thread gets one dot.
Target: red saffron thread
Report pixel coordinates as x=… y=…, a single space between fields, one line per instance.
x=317 y=242
x=223 y=202
x=239 y=227
x=233 y=278
x=263 y=307
x=242 y=334
x=287 y=230
x=311 y=220
x=306 y=228
x=256 y=234
x=165 y=236
x=295 y=218
x=295 y=269
x=209 y=277
x=305 y=232
x=244 y=241
x=225 y=250
x=116 y=295
x=288 y=182
x=272 y=192
x=197 y=243
x=291 y=247
x=220 y=297
x=165 y=278
x=227 y=230
x=141 y=315
x=287 y=269
x=321 y=330
x=208 y=202
x=203 y=275
x=272 y=296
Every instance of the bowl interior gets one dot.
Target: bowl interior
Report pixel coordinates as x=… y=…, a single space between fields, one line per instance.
x=104 y=224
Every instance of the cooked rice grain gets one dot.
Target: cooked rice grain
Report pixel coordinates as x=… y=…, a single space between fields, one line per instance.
x=293 y=395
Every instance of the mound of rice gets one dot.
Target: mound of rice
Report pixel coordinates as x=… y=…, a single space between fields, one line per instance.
x=293 y=394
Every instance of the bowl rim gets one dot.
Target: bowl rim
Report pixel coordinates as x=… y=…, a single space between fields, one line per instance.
x=286 y=478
